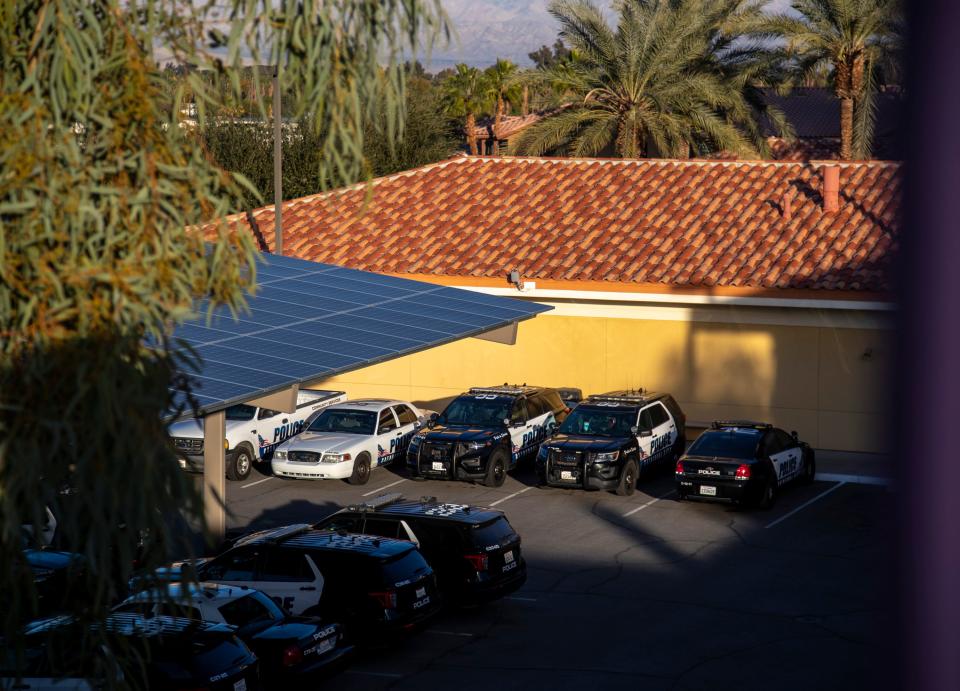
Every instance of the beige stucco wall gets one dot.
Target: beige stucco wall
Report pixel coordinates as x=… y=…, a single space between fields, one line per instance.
x=813 y=379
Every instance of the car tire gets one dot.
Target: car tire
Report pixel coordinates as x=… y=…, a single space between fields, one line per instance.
x=681 y=496
x=809 y=467
x=496 y=469
x=240 y=467
x=628 y=479
x=769 y=496
x=361 y=470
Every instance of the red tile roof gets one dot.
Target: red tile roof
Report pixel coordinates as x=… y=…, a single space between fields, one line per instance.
x=679 y=224
x=509 y=125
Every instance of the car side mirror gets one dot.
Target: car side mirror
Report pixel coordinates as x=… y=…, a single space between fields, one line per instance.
x=552 y=427
x=645 y=433
x=418 y=424
x=794 y=435
x=633 y=430
x=432 y=420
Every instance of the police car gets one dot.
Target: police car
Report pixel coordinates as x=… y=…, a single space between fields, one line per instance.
x=474 y=550
x=744 y=462
x=347 y=440
x=484 y=433
x=375 y=587
x=608 y=439
x=290 y=649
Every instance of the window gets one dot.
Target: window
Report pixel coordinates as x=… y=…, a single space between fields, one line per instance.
x=537 y=406
x=286 y=565
x=171 y=609
x=658 y=415
x=483 y=410
x=726 y=444
x=405 y=415
x=240 y=566
x=553 y=401
x=383 y=528
x=387 y=422
x=345 y=421
x=347 y=524
x=240 y=412
x=784 y=439
x=254 y=608
x=646 y=420
x=266 y=412
x=519 y=413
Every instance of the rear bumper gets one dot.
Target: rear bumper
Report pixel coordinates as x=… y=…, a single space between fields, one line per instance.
x=494 y=589
x=717 y=489
x=306 y=676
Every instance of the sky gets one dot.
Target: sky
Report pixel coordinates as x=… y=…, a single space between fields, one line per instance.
x=488 y=29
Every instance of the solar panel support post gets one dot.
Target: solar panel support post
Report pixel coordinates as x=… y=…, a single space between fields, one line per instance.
x=284 y=401
x=505 y=334
x=277 y=164
x=215 y=476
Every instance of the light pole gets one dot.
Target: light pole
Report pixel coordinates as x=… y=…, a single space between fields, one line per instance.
x=277 y=165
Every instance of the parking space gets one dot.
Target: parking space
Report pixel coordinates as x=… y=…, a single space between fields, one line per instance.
x=641 y=590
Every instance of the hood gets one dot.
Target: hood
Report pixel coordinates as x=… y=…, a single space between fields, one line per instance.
x=463 y=433
x=290 y=629
x=574 y=442
x=318 y=442
x=191 y=428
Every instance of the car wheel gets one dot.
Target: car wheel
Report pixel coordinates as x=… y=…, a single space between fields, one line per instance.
x=809 y=467
x=241 y=465
x=496 y=470
x=628 y=479
x=681 y=495
x=769 y=496
x=361 y=470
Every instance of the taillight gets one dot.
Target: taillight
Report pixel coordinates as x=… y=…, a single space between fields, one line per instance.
x=477 y=561
x=386 y=598
x=292 y=656
x=679 y=468
x=743 y=472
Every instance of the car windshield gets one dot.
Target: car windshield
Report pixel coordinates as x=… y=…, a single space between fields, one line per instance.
x=345 y=421
x=595 y=421
x=249 y=610
x=481 y=410
x=726 y=444
x=241 y=412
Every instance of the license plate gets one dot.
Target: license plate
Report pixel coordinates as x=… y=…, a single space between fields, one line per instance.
x=421 y=603
x=568 y=475
x=508 y=557
x=183 y=463
x=708 y=490
x=437 y=466
x=323 y=646
x=240 y=685
x=421 y=592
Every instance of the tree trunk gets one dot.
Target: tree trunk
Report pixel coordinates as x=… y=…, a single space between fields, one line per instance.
x=846 y=128
x=525 y=108
x=471 y=133
x=498 y=117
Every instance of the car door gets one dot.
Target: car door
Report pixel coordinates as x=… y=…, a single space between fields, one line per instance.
x=408 y=425
x=269 y=425
x=645 y=436
x=664 y=432
x=788 y=460
x=388 y=437
x=542 y=417
x=290 y=578
x=520 y=429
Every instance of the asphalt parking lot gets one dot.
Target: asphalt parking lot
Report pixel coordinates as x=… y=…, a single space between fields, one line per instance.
x=642 y=591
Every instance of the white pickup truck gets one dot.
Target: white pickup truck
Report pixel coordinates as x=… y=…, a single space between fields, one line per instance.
x=251 y=433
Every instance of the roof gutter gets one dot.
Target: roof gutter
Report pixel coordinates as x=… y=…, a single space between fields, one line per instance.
x=534 y=293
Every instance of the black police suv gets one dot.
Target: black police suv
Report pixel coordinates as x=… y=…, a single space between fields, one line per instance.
x=57 y=578
x=375 y=587
x=744 y=462
x=474 y=551
x=484 y=433
x=177 y=653
x=292 y=650
x=608 y=439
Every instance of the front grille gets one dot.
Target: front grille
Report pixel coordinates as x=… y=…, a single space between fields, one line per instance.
x=566 y=459
x=188 y=445
x=432 y=452
x=304 y=457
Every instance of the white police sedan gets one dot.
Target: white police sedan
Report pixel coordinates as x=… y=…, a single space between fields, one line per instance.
x=347 y=440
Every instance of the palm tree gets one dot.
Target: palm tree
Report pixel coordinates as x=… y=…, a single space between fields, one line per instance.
x=670 y=78
x=854 y=39
x=467 y=94
x=501 y=80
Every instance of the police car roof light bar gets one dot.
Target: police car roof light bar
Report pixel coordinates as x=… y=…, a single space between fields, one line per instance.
x=638 y=397
x=377 y=502
x=742 y=424
x=427 y=499
x=510 y=389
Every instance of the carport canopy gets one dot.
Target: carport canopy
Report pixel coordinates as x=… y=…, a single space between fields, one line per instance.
x=308 y=322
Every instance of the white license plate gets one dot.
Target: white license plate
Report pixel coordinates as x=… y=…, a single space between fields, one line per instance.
x=421 y=592
x=567 y=475
x=240 y=685
x=508 y=557
x=183 y=463
x=708 y=490
x=325 y=645
x=437 y=466
x=421 y=603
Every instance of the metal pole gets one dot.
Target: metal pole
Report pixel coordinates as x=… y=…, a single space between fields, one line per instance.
x=277 y=165
x=214 y=476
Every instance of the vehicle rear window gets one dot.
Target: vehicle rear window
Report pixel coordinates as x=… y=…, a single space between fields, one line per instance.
x=726 y=444
x=251 y=609
x=407 y=566
x=493 y=532
x=241 y=411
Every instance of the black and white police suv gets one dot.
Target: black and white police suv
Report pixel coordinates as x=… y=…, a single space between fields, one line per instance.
x=744 y=462
x=608 y=439
x=373 y=586
x=474 y=551
x=484 y=433
x=290 y=649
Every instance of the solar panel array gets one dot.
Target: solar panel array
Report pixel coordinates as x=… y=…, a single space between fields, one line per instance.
x=309 y=321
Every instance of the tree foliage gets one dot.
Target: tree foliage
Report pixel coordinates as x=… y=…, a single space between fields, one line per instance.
x=673 y=76
x=467 y=93
x=98 y=187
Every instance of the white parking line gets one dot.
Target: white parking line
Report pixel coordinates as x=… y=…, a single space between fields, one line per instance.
x=389 y=675
x=450 y=633
x=511 y=496
x=855 y=479
x=649 y=503
x=374 y=491
x=806 y=504
x=251 y=484
x=521 y=599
